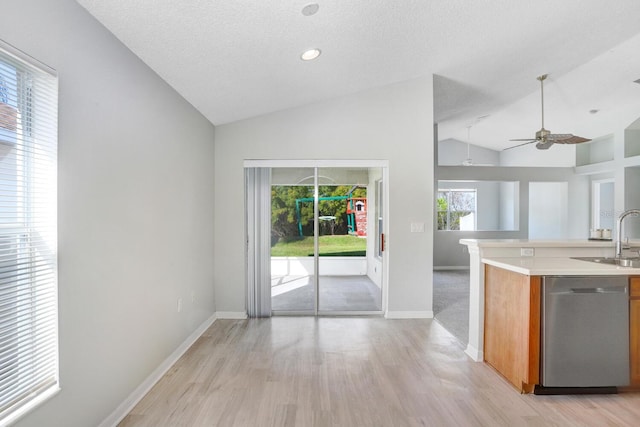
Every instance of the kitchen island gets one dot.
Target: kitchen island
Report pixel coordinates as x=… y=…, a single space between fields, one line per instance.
x=516 y=283
x=529 y=257
x=514 y=323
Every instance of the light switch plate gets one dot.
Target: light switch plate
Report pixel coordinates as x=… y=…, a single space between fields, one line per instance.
x=417 y=227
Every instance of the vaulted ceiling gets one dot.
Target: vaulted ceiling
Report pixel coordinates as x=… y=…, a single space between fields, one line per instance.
x=238 y=59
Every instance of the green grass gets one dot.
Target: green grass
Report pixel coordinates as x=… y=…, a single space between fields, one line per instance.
x=329 y=246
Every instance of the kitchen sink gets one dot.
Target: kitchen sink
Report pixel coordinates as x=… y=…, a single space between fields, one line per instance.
x=621 y=262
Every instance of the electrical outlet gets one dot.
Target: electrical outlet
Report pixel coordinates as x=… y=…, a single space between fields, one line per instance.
x=527 y=252
x=179 y=305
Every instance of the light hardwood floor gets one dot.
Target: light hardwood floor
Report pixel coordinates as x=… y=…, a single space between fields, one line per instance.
x=287 y=371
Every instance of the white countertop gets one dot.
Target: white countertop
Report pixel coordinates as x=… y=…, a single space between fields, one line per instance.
x=515 y=243
x=539 y=266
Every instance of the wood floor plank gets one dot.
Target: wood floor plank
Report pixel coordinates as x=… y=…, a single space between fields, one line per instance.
x=348 y=372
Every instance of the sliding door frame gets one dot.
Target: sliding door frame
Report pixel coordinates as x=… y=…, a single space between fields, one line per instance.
x=316 y=165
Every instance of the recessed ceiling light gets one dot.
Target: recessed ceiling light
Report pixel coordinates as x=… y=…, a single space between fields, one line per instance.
x=310 y=54
x=594 y=111
x=310 y=9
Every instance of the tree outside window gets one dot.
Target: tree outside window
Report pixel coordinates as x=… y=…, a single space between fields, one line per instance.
x=456 y=209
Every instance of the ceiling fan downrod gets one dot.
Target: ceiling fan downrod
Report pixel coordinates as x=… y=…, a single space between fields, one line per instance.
x=542 y=78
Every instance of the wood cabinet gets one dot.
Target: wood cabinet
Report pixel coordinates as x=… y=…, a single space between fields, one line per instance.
x=634 y=330
x=512 y=326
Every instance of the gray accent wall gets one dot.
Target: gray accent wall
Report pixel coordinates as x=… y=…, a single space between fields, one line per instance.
x=448 y=252
x=135 y=211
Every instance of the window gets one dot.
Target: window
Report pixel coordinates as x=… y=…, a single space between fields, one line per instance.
x=456 y=209
x=28 y=234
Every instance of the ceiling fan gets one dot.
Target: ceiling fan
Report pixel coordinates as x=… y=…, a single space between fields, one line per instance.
x=544 y=138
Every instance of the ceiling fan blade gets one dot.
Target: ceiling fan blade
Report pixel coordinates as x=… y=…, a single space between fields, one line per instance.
x=530 y=141
x=566 y=138
x=524 y=139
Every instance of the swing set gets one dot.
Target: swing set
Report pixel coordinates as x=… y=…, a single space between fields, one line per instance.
x=356 y=212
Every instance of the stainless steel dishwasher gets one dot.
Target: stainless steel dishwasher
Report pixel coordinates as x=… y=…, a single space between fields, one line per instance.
x=585 y=331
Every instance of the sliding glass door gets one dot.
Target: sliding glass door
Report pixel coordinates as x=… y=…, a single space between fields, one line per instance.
x=348 y=266
x=293 y=227
x=315 y=237
x=325 y=223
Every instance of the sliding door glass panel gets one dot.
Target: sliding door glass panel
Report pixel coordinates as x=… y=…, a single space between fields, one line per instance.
x=348 y=263
x=293 y=282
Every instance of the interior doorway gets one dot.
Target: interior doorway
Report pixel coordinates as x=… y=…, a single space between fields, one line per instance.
x=326 y=251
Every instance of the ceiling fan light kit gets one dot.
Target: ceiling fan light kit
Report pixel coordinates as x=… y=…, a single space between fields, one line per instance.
x=544 y=138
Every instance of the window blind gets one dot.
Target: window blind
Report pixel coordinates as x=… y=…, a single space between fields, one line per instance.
x=28 y=233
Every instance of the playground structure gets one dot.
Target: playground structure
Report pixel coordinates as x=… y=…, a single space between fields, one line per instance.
x=356 y=213
x=357 y=216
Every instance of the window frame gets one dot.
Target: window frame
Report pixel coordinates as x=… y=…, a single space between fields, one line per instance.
x=448 y=221
x=29 y=347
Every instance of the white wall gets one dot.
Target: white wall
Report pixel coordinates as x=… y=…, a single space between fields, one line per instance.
x=392 y=122
x=509 y=205
x=135 y=211
x=548 y=209
x=452 y=152
x=631 y=225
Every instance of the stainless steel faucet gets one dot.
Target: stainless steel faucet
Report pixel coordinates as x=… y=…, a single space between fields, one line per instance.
x=622 y=216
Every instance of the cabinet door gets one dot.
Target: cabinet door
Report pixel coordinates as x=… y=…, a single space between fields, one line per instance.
x=512 y=326
x=634 y=330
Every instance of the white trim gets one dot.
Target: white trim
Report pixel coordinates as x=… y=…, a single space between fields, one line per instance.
x=232 y=315
x=136 y=396
x=386 y=221
x=451 y=267
x=595 y=200
x=409 y=314
x=343 y=163
x=264 y=163
x=24 y=57
x=475 y=354
x=25 y=409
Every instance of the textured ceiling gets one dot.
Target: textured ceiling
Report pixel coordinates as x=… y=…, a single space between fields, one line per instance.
x=238 y=59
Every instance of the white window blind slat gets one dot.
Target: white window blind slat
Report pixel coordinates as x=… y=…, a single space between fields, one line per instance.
x=22 y=344
x=28 y=233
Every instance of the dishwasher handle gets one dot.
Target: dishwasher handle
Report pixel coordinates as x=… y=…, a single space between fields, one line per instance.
x=607 y=290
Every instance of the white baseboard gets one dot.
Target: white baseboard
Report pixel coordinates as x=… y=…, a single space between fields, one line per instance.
x=132 y=400
x=474 y=353
x=451 y=267
x=235 y=315
x=409 y=315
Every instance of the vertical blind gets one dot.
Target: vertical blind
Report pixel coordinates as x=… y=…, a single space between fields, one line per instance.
x=258 y=226
x=28 y=233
